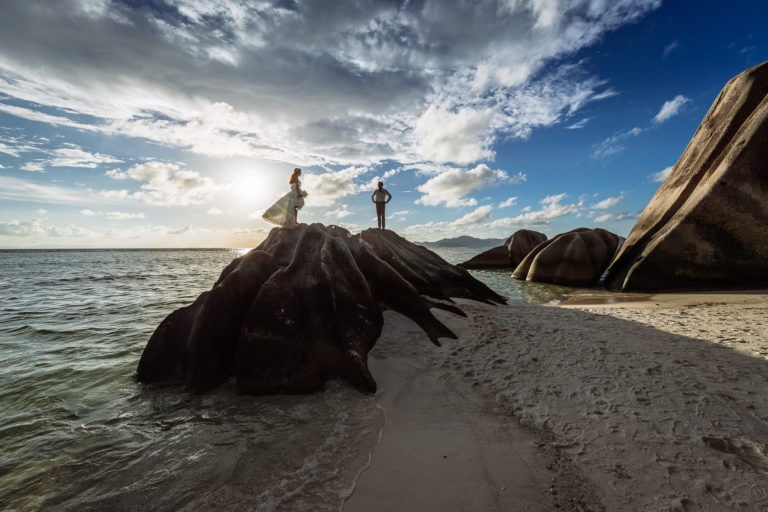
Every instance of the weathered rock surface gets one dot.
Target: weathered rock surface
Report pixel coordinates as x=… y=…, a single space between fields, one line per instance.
x=305 y=307
x=521 y=243
x=576 y=258
x=509 y=255
x=497 y=257
x=707 y=225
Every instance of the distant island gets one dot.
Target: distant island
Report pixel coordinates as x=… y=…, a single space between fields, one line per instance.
x=465 y=241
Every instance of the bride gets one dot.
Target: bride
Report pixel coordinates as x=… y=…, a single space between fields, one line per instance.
x=285 y=211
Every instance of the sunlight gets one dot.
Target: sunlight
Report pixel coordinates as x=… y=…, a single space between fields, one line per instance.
x=255 y=191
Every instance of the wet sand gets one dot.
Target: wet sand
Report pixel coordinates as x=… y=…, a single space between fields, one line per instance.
x=657 y=404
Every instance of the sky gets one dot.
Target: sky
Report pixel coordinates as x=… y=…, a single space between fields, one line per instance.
x=176 y=123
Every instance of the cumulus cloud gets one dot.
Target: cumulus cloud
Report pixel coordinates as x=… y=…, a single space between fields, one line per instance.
x=478 y=216
x=38 y=228
x=609 y=202
x=461 y=137
x=314 y=82
x=662 y=174
x=166 y=184
x=33 y=166
x=452 y=186
x=670 y=109
x=326 y=188
x=615 y=216
x=74 y=156
x=552 y=207
x=508 y=202
x=16 y=147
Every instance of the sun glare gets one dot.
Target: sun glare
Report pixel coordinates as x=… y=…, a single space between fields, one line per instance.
x=254 y=192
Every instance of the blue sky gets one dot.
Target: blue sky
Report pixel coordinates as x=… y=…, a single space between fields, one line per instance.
x=176 y=123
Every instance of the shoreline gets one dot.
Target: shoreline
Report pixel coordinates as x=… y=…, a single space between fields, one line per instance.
x=442 y=448
x=607 y=298
x=654 y=404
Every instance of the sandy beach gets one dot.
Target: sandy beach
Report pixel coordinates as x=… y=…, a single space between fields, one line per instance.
x=650 y=402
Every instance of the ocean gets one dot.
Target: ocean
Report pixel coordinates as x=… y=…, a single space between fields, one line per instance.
x=78 y=433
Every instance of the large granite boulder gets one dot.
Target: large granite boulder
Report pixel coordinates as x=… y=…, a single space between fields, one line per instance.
x=304 y=307
x=576 y=258
x=497 y=257
x=521 y=243
x=509 y=255
x=707 y=225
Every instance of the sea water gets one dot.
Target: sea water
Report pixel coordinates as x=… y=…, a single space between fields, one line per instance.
x=78 y=433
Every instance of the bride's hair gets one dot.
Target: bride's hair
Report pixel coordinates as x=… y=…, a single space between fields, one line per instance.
x=294 y=175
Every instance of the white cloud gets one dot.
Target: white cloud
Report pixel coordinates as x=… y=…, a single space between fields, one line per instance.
x=38 y=228
x=324 y=189
x=579 y=124
x=15 y=189
x=16 y=148
x=113 y=215
x=509 y=202
x=341 y=211
x=33 y=166
x=461 y=137
x=310 y=82
x=452 y=186
x=73 y=156
x=166 y=184
x=609 y=202
x=552 y=208
x=615 y=217
x=34 y=115
x=478 y=216
x=123 y=215
x=662 y=174
x=615 y=143
x=670 y=108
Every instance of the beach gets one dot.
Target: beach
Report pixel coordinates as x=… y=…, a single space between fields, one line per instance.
x=602 y=402
x=596 y=401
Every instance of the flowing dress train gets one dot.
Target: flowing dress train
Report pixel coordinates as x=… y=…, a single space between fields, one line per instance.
x=282 y=212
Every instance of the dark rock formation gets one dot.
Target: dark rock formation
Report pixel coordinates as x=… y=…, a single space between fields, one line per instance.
x=509 y=255
x=576 y=258
x=523 y=242
x=498 y=257
x=707 y=225
x=304 y=307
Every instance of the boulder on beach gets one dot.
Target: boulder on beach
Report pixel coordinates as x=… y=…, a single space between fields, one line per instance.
x=707 y=225
x=521 y=243
x=575 y=258
x=305 y=307
x=510 y=254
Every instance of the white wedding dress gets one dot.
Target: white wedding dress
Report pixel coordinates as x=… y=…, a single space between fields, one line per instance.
x=282 y=212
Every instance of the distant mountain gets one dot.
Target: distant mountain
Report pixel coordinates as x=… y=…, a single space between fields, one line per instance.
x=465 y=241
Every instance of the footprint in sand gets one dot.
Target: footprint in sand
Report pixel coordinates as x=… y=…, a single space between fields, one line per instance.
x=754 y=454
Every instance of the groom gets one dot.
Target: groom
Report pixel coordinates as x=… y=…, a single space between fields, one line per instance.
x=381 y=197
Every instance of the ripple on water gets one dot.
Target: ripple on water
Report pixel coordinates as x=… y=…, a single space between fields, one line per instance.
x=78 y=433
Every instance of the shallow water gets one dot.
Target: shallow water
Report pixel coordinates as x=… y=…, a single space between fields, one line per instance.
x=78 y=433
